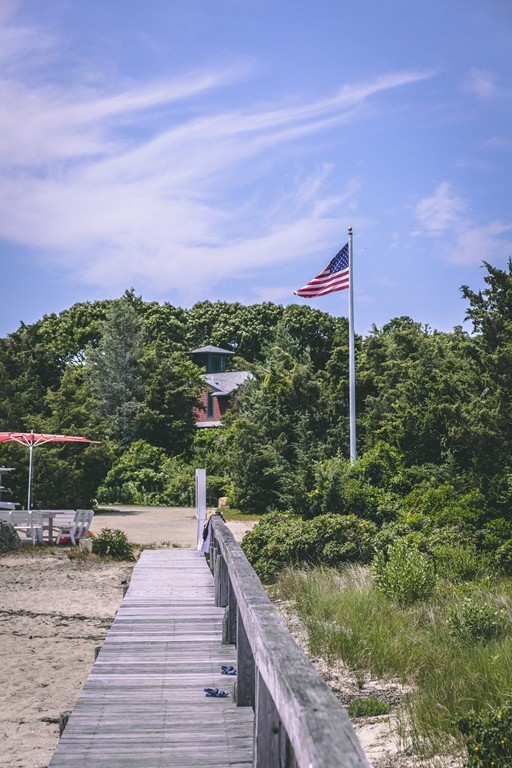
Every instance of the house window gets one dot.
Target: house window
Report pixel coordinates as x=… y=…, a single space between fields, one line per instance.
x=209 y=406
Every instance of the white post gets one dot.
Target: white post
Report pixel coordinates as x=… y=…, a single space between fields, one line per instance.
x=200 y=504
x=351 y=353
x=29 y=498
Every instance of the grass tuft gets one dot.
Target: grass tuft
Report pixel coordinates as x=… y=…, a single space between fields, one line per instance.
x=370 y=707
x=348 y=619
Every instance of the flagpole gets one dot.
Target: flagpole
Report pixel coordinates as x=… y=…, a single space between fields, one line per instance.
x=351 y=352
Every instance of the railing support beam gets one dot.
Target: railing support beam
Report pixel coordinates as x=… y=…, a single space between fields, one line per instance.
x=245 y=683
x=267 y=729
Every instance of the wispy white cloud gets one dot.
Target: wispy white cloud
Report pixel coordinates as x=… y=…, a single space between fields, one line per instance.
x=441 y=211
x=482 y=83
x=497 y=142
x=462 y=239
x=132 y=186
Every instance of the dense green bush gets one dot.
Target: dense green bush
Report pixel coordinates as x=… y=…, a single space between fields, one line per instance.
x=445 y=506
x=488 y=737
x=280 y=539
x=503 y=557
x=111 y=542
x=494 y=533
x=458 y=563
x=136 y=477
x=145 y=474
x=338 y=539
x=476 y=620
x=341 y=489
x=404 y=573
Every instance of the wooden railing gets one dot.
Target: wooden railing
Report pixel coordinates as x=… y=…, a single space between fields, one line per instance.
x=299 y=723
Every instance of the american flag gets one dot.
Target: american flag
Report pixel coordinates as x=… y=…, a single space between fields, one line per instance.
x=335 y=277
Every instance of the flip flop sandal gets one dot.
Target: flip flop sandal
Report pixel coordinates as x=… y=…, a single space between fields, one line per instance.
x=215 y=693
x=227 y=670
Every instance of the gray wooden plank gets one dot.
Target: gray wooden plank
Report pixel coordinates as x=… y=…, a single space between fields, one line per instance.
x=143 y=704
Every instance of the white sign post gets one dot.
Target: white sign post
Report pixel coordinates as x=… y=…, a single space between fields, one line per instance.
x=200 y=504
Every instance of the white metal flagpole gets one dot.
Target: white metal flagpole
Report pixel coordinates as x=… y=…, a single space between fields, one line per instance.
x=351 y=352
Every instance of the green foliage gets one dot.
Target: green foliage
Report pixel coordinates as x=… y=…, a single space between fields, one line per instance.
x=434 y=414
x=475 y=620
x=341 y=539
x=413 y=381
x=145 y=474
x=503 y=557
x=446 y=506
x=280 y=539
x=165 y=416
x=488 y=737
x=114 y=367
x=111 y=542
x=494 y=533
x=459 y=563
x=369 y=707
x=404 y=574
x=348 y=619
x=341 y=489
x=136 y=478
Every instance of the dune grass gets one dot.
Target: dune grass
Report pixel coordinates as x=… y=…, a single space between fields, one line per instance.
x=347 y=618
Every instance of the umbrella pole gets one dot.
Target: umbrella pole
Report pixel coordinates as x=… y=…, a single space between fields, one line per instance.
x=31 y=449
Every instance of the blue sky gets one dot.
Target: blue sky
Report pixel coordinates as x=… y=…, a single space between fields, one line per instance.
x=200 y=149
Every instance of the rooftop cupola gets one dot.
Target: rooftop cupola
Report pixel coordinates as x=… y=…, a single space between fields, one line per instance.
x=211 y=359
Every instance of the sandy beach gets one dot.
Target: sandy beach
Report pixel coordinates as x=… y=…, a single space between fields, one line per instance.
x=55 y=609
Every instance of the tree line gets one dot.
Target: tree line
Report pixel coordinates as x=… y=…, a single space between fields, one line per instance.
x=434 y=413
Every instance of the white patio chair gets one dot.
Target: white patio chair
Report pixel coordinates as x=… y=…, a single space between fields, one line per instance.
x=84 y=520
x=66 y=525
x=28 y=523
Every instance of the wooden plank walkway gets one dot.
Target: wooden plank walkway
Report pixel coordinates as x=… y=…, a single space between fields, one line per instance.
x=143 y=704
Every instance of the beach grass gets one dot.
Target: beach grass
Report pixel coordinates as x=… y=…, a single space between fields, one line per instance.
x=447 y=674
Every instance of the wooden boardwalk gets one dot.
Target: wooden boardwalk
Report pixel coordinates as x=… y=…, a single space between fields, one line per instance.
x=143 y=704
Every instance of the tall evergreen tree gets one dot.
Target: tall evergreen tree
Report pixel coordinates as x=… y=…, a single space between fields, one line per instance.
x=115 y=369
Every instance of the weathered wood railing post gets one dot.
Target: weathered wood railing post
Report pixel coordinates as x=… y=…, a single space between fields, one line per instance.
x=246 y=672
x=299 y=723
x=267 y=729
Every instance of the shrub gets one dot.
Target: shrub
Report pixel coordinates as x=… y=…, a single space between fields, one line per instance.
x=339 y=539
x=488 y=737
x=473 y=620
x=111 y=542
x=503 y=557
x=445 y=506
x=403 y=573
x=494 y=533
x=370 y=707
x=281 y=539
x=337 y=489
x=458 y=563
